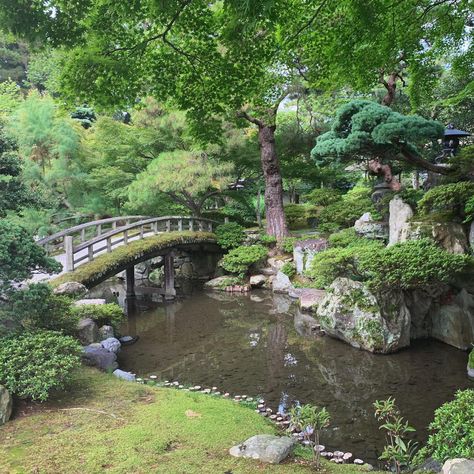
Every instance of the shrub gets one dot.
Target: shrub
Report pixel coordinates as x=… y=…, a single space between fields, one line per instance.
x=469 y=210
x=34 y=363
x=323 y=196
x=268 y=240
x=109 y=314
x=471 y=359
x=298 y=215
x=347 y=238
x=448 y=199
x=230 y=235
x=288 y=243
x=452 y=432
x=240 y=259
x=289 y=269
x=37 y=307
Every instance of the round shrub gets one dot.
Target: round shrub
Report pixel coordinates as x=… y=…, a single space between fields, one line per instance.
x=288 y=243
x=323 y=196
x=240 y=259
x=448 y=199
x=110 y=314
x=34 y=363
x=230 y=235
x=298 y=215
x=347 y=238
x=268 y=240
x=452 y=430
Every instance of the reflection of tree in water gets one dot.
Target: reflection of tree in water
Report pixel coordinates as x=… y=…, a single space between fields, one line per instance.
x=277 y=337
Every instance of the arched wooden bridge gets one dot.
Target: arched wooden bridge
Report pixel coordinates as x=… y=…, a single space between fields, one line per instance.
x=84 y=243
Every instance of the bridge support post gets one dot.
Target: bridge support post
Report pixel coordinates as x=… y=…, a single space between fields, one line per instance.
x=69 y=249
x=130 y=280
x=170 y=291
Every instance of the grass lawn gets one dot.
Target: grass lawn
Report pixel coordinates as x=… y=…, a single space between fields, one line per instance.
x=103 y=424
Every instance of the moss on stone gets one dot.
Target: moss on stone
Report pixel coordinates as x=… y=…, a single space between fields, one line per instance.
x=471 y=360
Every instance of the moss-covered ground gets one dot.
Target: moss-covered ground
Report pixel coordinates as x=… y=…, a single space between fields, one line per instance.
x=103 y=424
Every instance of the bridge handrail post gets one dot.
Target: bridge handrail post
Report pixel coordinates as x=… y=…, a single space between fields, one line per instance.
x=191 y=224
x=142 y=231
x=180 y=225
x=68 y=247
x=155 y=227
x=99 y=229
x=109 y=244
x=90 y=252
x=168 y=225
x=83 y=235
x=125 y=237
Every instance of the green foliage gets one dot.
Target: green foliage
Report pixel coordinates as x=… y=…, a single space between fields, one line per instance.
x=268 y=240
x=20 y=256
x=289 y=269
x=288 y=243
x=363 y=128
x=323 y=196
x=452 y=430
x=239 y=259
x=35 y=363
x=298 y=215
x=398 y=452
x=103 y=314
x=37 y=307
x=347 y=238
x=448 y=199
x=310 y=420
x=471 y=360
x=230 y=235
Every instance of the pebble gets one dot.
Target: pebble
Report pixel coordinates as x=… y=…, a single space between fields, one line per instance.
x=338 y=454
x=261 y=400
x=319 y=448
x=214 y=389
x=249 y=399
x=347 y=456
x=153 y=377
x=279 y=418
x=226 y=394
x=269 y=410
x=273 y=417
x=329 y=454
x=260 y=406
x=181 y=386
x=244 y=397
x=358 y=461
x=217 y=393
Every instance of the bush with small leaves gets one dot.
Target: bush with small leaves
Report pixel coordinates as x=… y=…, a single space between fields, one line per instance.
x=289 y=269
x=240 y=259
x=298 y=215
x=323 y=196
x=268 y=240
x=448 y=200
x=288 y=243
x=103 y=314
x=230 y=235
x=452 y=430
x=35 y=363
x=347 y=238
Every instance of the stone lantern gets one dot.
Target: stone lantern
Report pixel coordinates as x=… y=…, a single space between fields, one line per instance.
x=451 y=140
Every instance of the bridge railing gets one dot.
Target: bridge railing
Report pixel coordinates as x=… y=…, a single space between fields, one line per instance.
x=106 y=242
x=83 y=232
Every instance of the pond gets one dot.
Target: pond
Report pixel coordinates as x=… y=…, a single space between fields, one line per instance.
x=247 y=344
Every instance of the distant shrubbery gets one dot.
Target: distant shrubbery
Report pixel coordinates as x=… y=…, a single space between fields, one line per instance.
x=230 y=235
x=35 y=363
x=298 y=215
x=404 y=266
x=240 y=259
x=323 y=196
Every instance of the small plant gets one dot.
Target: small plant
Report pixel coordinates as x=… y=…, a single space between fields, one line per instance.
x=288 y=243
x=310 y=420
x=109 y=314
x=230 y=235
x=240 y=259
x=347 y=238
x=452 y=434
x=268 y=240
x=35 y=363
x=323 y=196
x=398 y=452
x=289 y=269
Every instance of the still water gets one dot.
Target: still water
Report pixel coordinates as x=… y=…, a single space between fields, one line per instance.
x=247 y=344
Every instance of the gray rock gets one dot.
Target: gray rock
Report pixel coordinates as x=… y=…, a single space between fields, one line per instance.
x=295 y=293
x=454 y=323
x=257 y=281
x=100 y=358
x=310 y=298
x=71 y=288
x=106 y=332
x=471 y=235
x=111 y=344
x=186 y=271
x=420 y=304
x=400 y=215
x=89 y=301
x=304 y=252
x=6 y=405
x=458 y=466
x=305 y=325
x=350 y=312
x=264 y=448
x=429 y=466
x=281 y=283
x=87 y=331
x=218 y=283
x=367 y=227
x=277 y=263
x=121 y=374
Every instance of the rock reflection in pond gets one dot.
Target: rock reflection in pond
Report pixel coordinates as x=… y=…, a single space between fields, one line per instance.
x=245 y=346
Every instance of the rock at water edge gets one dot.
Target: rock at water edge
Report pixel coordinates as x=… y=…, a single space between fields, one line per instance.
x=265 y=448
x=310 y=298
x=111 y=344
x=121 y=374
x=257 y=281
x=100 y=358
x=6 y=405
x=87 y=331
x=281 y=283
x=105 y=332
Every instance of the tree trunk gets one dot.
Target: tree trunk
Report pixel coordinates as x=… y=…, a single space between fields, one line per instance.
x=276 y=223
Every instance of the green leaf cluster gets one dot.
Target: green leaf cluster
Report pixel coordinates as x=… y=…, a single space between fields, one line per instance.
x=289 y=269
x=323 y=196
x=103 y=314
x=230 y=235
x=298 y=215
x=239 y=259
x=35 y=363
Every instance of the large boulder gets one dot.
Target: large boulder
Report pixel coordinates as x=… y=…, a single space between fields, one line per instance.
x=71 y=288
x=449 y=235
x=257 y=281
x=265 y=448
x=111 y=344
x=350 y=312
x=90 y=301
x=367 y=227
x=310 y=298
x=304 y=252
x=400 y=215
x=458 y=466
x=100 y=358
x=281 y=283
x=6 y=405
x=453 y=323
x=421 y=305
x=87 y=331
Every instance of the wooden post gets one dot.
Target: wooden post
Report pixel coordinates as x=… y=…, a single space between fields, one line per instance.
x=170 y=291
x=125 y=237
x=191 y=224
x=226 y=220
x=180 y=225
x=109 y=244
x=142 y=232
x=83 y=235
x=210 y=226
x=68 y=247
x=200 y=225
x=168 y=225
x=155 y=227
x=130 y=280
x=90 y=252
x=99 y=229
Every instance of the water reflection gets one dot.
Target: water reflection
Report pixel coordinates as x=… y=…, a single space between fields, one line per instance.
x=248 y=344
